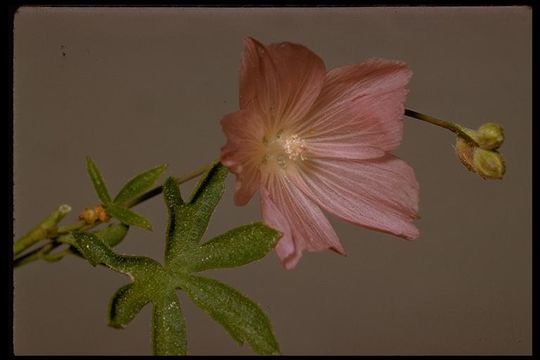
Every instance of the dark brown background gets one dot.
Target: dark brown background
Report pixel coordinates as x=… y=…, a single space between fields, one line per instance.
x=139 y=87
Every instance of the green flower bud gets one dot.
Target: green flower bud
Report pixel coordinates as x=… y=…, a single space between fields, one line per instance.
x=489 y=164
x=490 y=136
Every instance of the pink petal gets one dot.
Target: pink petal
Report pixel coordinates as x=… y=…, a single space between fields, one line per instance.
x=380 y=194
x=345 y=150
x=360 y=106
x=302 y=223
x=280 y=81
x=242 y=152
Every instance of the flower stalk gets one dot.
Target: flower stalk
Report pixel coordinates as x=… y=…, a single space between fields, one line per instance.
x=455 y=128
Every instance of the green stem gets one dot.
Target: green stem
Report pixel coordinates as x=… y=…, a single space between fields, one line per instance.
x=455 y=128
x=42 y=231
x=48 y=229
x=33 y=255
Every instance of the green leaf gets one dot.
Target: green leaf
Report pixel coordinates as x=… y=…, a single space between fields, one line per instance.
x=97 y=180
x=168 y=327
x=139 y=184
x=97 y=252
x=151 y=283
x=127 y=302
x=94 y=249
x=236 y=247
x=113 y=234
x=172 y=194
x=156 y=284
x=240 y=316
x=191 y=219
x=128 y=217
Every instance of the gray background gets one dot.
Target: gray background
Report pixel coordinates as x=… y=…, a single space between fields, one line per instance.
x=139 y=87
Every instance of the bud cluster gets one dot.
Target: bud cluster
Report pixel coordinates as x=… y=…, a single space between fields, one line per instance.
x=481 y=156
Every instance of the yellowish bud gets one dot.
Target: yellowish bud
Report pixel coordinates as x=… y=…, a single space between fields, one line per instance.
x=101 y=213
x=88 y=215
x=489 y=164
x=490 y=136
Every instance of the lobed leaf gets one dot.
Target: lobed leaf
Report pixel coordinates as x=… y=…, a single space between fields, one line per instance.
x=128 y=217
x=139 y=184
x=125 y=304
x=191 y=219
x=97 y=180
x=97 y=252
x=236 y=247
x=168 y=327
x=240 y=316
x=153 y=283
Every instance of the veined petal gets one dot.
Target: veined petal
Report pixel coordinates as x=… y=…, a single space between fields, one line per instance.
x=242 y=153
x=360 y=105
x=300 y=220
x=342 y=151
x=281 y=81
x=380 y=194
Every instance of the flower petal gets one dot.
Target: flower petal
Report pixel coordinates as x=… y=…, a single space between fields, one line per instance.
x=300 y=220
x=380 y=194
x=242 y=153
x=281 y=81
x=360 y=106
x=345 y=150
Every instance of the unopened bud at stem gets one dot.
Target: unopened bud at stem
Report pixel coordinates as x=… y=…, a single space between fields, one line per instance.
x=489 y=136
x=489 y=164
x=101 y=213
x=89 y=216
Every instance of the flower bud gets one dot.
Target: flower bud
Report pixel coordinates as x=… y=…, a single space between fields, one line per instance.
x=101 y=213
x=490 y=136
x=89 y=216
x=489 y=164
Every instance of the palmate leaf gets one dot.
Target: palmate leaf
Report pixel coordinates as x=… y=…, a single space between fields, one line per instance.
x=157 y=284
x=240 y=316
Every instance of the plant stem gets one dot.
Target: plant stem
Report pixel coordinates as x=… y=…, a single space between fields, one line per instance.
x=48 y=228
x=455 y=128
x=42 y=231
x=33 y=255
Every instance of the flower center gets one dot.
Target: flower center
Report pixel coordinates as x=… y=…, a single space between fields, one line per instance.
x=283 y=149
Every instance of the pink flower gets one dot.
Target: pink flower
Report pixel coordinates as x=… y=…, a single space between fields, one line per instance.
x=312 y=140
